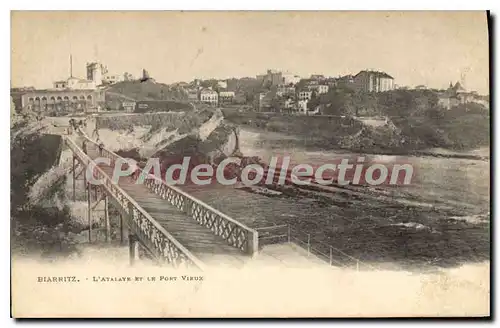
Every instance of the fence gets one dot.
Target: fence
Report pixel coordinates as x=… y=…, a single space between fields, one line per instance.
x=273 y=234
x=332 y=255
x=161 y=244
x=233 y=232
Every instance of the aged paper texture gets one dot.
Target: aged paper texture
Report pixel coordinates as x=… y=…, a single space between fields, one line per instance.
x=250 y=164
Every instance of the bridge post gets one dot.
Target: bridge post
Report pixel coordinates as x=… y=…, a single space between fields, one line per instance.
x=106 y=219
x=89 y=212
x=252 y=242
x=87 y=194
x=74 y=178
x=123 y=230
x=133 y=244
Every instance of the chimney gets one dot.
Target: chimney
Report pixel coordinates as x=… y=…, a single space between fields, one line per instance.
x=70 y=65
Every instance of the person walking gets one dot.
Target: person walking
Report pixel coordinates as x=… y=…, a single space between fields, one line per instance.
x=101 y=147
x=84 y=146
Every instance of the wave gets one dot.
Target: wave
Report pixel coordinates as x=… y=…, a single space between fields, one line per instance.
x=415 y=225
x=473 y=219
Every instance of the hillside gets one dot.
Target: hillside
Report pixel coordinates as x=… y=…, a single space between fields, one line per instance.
x=141 y=91
x=415 y=122
x=147 y=90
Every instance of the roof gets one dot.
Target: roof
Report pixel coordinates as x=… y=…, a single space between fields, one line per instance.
x=206 y=90
x=377 y=73
x=31 y=92
x=78 y=79
x=458 y=87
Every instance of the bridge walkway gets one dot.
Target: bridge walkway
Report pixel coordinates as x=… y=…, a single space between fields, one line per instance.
x=199 y=240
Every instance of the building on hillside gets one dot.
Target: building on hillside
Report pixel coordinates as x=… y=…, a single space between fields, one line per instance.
x=96 y=72
x=302 y=106
x=290 y=79
x=272 y=77
x=128 y=106
x=226 y=97
x=112 y=78
x=309 y=82
x=322 y=88
x=318 y=88
x=75 y=83
x=346 y=81
x=209 y=96
x=455 y=95
x=373 y=81
x=304 y=95
x=285 y=90
x=62 y=101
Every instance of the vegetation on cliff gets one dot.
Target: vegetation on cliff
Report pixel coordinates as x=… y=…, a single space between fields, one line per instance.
x=415 y=121
x=39 y=225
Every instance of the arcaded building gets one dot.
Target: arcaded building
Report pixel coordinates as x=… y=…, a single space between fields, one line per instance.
x=62 y=100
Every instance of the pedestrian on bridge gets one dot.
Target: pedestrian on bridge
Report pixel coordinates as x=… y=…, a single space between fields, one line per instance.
x=84 y=146
x=101 y=147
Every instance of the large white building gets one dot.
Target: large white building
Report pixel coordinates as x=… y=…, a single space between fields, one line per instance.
x=209 y=96
x=373 y=81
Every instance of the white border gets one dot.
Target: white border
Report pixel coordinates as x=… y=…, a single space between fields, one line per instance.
x=190 y=5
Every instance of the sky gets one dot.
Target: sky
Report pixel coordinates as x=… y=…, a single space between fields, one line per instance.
x=429 y=48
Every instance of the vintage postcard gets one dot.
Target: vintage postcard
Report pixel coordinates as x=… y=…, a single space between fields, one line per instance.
x=250 y=164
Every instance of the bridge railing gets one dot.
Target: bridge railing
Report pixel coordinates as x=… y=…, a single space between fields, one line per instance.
x=273 y=234
x=233 y=232
x=277 y=234
x=158 y=241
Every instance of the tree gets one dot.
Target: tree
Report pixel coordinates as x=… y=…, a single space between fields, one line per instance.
x=276 y=104
x=314 y=101
x=13 y=113
x=127 y=76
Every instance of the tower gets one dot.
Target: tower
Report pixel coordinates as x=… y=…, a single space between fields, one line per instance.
x=462 y=79
x=95 y=72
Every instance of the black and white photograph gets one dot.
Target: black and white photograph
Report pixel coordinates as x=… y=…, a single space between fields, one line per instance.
x=262 y=164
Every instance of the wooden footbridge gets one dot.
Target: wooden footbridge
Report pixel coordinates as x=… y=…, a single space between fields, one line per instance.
x=167 y=222
x=174 y=227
